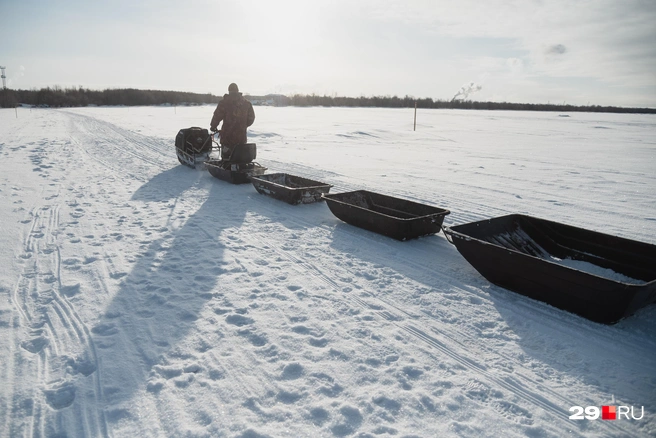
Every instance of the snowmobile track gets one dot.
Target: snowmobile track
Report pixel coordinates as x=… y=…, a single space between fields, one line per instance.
x=515 y=384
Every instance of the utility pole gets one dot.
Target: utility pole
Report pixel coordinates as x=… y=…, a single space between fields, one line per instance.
x=4 y=78
x=415 y=127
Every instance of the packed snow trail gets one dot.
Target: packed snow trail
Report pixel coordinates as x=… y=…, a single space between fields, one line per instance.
x=143 y=298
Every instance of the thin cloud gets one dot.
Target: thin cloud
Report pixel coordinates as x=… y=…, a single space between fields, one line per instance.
x=534 y=51
x=612 y=41
x=558 y=49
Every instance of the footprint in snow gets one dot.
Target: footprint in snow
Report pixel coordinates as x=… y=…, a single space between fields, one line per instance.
x=479 y=391
x=169 y=372
x=380 y=430
x=475 y=300
x=301 y=330
x=255 y=339
x=60 y=396
x=89 y=260
x=412 y=372
x=105 y=329
x=289 y=397
x=513 y=412
x=35 y=345
x=82 y=366
x=319 y=343
x=238 y=320
x=387 y=403
x=49 y=250
x=331 y=390
x=319 y=416
x=351 y=421
x=292 y=371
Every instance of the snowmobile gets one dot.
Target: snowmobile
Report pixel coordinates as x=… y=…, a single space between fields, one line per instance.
x=193 y=146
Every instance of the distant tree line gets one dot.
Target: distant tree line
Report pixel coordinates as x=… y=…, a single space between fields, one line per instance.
x=409 y=102
x=74 y=97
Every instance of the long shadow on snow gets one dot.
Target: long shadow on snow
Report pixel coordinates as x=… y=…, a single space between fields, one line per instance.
x=457 y=298
x=422 y=259
x=168 y=185
x=160 y=300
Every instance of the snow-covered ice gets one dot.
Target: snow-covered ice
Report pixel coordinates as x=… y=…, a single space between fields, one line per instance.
x=139 y=297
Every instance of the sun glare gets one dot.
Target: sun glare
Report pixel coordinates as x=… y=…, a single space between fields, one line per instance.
x=284 y=36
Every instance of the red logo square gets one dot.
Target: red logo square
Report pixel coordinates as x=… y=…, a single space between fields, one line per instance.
x=608 y=413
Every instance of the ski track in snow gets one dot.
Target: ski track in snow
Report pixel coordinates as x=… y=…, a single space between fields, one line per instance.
x=55 y=334
x=138 y=305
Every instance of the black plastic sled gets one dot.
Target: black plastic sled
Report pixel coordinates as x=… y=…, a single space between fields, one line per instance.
x=235 y=165
x=393 y=217
x=289 y=188
x=193 y=146
x=234 y=173
x=597 y=276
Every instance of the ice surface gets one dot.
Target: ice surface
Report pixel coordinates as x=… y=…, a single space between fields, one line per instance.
x=139 y=297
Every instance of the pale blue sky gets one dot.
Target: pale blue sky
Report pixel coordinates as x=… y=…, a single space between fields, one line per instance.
x=600 y=52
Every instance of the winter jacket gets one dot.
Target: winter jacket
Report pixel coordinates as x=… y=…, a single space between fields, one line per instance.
x=237 y=114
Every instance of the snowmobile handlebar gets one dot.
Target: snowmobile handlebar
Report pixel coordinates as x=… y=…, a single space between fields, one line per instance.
x=215 y=136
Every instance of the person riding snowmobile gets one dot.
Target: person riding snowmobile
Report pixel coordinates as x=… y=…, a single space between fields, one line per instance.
x=237 y=114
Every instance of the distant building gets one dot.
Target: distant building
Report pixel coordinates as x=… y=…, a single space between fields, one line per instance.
x=269 y=100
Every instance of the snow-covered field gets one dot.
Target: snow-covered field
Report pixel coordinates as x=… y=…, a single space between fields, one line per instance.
x=139 y=297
